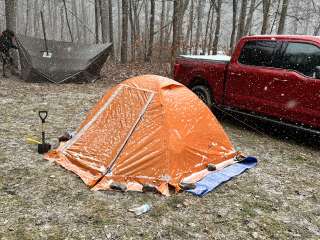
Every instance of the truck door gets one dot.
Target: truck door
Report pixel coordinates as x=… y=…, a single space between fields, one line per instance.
x=302 y=101
x=253 y=76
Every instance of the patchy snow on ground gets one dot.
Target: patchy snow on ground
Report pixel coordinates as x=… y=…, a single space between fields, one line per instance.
x=279 y=199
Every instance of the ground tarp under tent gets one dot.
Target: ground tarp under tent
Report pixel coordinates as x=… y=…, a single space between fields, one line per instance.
x=146 y=131
x=65 y=61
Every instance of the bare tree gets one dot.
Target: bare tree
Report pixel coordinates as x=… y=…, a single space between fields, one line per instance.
x=124 y=35
x=11 y=14
x=275 y=16
x=136 y=8
x=36 y=11
x=111 y=27
x=250 y=16
x=27 y=18
x=104 y=20
x=218 y=6
x=296 y=17
x=96 y=18
x=190 y=28
x=283 y=16
x=182 y=9
x=76 y=26
x=67 y=19
x=62 y=23
x=211 y=31
x=266 y=11
x=146 y=29
x=205 y=40
x=11 y=22
x=133 y=31
x=85 y=19
x=55 y=20
x=151 y=31
x=242 y=19
x=199 y=26
x=234 y=22
x=175 y=31
x=119 y=27
x=162 y=21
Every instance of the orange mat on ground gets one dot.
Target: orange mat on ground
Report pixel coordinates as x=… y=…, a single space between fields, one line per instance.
x=148 y=130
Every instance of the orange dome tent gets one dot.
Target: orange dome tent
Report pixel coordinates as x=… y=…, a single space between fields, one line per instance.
x=146 y=131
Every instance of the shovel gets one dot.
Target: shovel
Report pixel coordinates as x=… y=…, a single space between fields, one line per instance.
x=43 y=147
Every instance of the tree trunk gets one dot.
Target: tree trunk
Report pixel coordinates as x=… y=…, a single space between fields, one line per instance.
x=119 y=28
x=266 y=11
x=249 y=18
x=11 y=24
x=283 y=16
x=234 y=23
x=104 y=20
x=217 y=31
x=146 y=29
x=182 y=10
x=67 y=19
x=27 y=18
x=135 y=6
x=296 y=20
x=50 y=11
x=96 y=18
x=175 y=31
x=124 y=37
x=75 y=13
x=205 y=40
x=275 y=17
x=85 y=19
x=242 y=19
x=167 y=21
x=162 y=19
x=62 y=24
x=133 y=32
x=151 y=31
x=55 y=21
x=211 y=32
x=188 y=42
x=199 y=26
x=11 y=14
x=308 y=5
x=36 y=18
x=111 y=27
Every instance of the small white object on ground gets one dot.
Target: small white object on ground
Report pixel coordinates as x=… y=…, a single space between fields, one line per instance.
x=141 y=209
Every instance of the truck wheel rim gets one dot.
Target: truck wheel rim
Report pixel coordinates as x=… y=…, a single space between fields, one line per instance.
x=201 y=95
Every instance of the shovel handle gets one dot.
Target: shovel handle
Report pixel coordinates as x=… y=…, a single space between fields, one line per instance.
x=43 y=115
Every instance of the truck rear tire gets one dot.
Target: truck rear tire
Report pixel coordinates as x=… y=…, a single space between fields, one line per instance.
x=204 y=93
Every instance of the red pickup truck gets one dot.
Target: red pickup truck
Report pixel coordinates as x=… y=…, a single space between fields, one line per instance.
x=272 y=77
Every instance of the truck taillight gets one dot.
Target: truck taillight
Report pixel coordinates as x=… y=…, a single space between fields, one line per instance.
x=177 y=67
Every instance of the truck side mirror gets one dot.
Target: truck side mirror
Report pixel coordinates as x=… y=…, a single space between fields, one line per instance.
x=317 y=72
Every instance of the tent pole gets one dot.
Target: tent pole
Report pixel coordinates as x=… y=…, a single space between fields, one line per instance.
x=44 y=33
x=67 y=18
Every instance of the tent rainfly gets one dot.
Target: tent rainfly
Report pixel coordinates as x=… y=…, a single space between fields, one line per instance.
x=64 y=61
x=146 y=131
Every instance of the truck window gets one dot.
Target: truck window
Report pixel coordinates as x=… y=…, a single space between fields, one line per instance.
x=302 y=57
x=258 y=53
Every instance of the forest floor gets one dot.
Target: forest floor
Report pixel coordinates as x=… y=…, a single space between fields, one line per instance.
x=279 y=199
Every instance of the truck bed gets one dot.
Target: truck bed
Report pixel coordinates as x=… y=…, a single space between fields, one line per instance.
x=192 y=69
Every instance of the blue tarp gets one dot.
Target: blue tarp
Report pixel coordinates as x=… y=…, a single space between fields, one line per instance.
x=213 y=180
